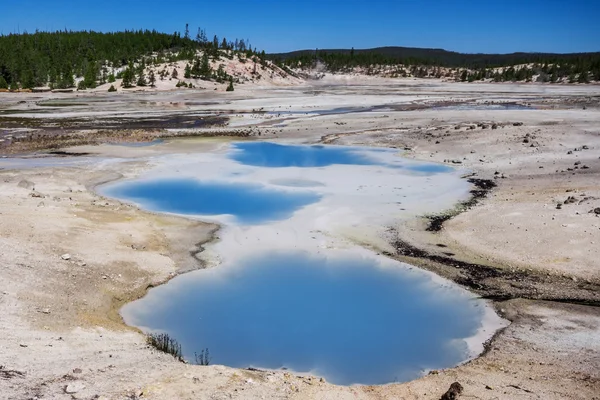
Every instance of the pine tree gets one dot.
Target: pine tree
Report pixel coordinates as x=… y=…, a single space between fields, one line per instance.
x=141 y=79
x=112 y=88
x=205 y=69
x=187 y=72
x=230 y=86
x=151 y=78
x=89 y=80
x=174 y=74
x=3 y=83
x=583 y=77
x=128 y=76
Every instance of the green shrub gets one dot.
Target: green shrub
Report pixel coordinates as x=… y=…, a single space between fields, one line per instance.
x=112 y=88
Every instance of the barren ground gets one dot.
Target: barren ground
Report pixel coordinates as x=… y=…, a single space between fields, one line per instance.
x=61 y=336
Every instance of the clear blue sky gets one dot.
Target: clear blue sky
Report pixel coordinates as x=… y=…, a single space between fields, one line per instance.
x=492 y=26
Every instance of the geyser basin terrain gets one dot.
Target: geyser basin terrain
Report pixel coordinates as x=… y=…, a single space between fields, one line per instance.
x=292 y=288
x=349 y=319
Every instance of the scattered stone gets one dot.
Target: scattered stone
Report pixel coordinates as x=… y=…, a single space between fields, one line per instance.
x=453 y=393
x=77 y=371
x=570 y=152
x=36 y=195
x=577 y=163
x=22 y=345
x=66 y=256
x=488 y=387
x=74 y=387
x=559 y=206
x=570 y=200
x=517 y=124
x=585 y=167
x=596 y=211
x=494 y=126
x=585 y=147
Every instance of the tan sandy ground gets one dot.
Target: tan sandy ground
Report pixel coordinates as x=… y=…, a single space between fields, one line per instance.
x=60 y=331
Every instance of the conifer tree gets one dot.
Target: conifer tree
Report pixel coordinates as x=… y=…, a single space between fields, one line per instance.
x=187 y=72
x=151 y=78
x=174 y=74
x=141 y=79
x=128 y=76
x=3 y=83
x=205 y=69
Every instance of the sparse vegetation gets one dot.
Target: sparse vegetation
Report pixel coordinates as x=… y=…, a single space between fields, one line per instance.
x=165 y=343
x=203 y=358
x=230 y=86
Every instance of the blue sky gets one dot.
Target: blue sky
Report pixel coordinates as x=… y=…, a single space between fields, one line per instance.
x=493 y=26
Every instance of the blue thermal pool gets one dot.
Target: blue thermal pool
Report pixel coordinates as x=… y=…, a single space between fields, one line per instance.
x=249 y=203
x=289 y=290
x=346 y=319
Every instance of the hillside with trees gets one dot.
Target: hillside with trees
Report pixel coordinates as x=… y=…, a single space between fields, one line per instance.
x=67 y=59
x=404 y=61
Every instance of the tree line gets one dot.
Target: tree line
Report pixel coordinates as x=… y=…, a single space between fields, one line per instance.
x=55 y=59
x=577 y=67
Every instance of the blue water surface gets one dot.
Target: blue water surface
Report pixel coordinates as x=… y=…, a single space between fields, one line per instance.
x=274 y=155
x=268 y=154
x=345 y=319
x=249 y=203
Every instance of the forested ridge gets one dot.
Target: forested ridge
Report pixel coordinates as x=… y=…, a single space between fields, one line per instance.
x=576 y=67
x=62 y=58
x=56 y=58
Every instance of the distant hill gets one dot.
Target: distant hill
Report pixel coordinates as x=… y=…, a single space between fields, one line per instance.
x=445 y=58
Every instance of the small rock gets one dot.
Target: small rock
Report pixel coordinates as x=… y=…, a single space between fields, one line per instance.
x=22 y=345
x=74 y=387
x=585 y=147
x=488 y=387
x=453 y=393
x=596 y=211
x=77 y=371
x=66 y=256
x=517 y=124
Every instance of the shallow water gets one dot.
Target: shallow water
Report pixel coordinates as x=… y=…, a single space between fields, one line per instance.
x=249 y=203
x=290 y=287
x=348 y=319
x=274 y=155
